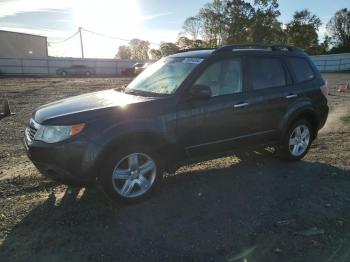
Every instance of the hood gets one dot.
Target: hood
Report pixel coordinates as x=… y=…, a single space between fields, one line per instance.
x=85 y=103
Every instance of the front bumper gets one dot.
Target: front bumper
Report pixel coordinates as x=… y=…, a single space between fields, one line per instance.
x=71 y=163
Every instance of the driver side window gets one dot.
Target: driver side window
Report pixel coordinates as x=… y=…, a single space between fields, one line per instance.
x=224 y=77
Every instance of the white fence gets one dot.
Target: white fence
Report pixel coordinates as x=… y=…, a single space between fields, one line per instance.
x=114 y=67
x=48 y=66
x=332 y=63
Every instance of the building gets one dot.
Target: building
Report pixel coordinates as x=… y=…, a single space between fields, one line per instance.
x=20 y=45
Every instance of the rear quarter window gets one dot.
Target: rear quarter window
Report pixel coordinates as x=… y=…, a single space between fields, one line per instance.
x=302 y=69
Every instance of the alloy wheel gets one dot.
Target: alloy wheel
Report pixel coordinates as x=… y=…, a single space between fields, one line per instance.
x=299 y=140
x=134 y=175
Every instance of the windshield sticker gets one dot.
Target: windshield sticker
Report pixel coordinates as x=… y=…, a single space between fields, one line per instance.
x=192 y=60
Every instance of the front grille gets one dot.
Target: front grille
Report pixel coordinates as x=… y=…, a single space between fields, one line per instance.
x=31 y=130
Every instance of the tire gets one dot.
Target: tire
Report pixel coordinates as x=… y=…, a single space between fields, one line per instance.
x=87 y=73
x=131 y=185
x=297 y=141
x=64 y=73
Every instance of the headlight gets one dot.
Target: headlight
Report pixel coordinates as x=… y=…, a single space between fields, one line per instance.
x=54 y=134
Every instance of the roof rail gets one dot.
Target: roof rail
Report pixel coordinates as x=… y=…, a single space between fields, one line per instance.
x=194 y=49
x=256 y=47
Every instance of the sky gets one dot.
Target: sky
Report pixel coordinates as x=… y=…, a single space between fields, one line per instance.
x=152 y=20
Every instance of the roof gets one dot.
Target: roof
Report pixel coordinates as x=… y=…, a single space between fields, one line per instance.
x=19 y=33
x=257 y=49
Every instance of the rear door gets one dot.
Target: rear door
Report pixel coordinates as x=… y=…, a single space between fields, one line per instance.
x=271 y=92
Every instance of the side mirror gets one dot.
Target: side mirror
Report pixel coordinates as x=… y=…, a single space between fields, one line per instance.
x=200 y=92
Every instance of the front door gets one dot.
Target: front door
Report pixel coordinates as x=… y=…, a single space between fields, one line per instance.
x=221 y=122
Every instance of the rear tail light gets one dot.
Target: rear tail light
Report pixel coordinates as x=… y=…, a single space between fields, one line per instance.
x=324 y=89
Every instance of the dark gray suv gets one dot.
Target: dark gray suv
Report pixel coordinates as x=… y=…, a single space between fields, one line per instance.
x=183 y=107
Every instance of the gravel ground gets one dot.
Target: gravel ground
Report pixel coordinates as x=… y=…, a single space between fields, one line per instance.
x=248 y=206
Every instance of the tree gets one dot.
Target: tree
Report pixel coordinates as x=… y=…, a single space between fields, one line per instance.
x=339 y=28
x=214 y=28
x=322 y=48
x=139 y=49
x=265 y=27
x=240 y=21
x=191 y=27
x=185 y=43
x=302 y=31
x=155 y=54
x=123 y=52
x=238 y=18
x=168 y=48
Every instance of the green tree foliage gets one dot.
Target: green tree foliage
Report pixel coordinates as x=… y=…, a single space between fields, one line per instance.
x=155 y=54
x=123 y=52
x=212 y=19
x=239 y=21
x=168 y=48
x=238 y=17
x=185 y=43
x=265 y=28
x=339 y=28
x=302 y=31
x=139 y=49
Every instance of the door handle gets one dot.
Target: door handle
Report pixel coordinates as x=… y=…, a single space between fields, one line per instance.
x=240 y=105
x=290 y=96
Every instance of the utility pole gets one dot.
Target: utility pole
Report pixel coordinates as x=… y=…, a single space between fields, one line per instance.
x=81 y=43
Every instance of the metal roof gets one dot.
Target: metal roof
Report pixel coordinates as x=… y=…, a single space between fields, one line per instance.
x=19 y=33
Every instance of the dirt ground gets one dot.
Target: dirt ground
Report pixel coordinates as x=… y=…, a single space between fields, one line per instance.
x=247 y=207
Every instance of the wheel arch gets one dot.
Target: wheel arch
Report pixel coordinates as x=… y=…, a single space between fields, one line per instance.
x=305 y=112
x=159 y=143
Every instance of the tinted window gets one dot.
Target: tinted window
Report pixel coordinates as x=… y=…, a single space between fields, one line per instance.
x=223 y=77
x=266 y=73
x=302 y=69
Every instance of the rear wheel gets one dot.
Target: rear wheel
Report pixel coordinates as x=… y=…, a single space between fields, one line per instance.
x=87 y=73
x=63 y=73
x=132 y=174
x=297 y=141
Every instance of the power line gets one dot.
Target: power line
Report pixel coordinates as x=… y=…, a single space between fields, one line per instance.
x=112 y=37
x=107 y=36
x=96 y=33
x=59 y=42
x=92 y=32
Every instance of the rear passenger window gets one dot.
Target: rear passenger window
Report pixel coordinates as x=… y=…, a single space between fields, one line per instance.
x=301 y=68
x=266 y=73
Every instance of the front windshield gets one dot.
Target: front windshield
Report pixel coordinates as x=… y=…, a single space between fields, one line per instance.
x=165 y=76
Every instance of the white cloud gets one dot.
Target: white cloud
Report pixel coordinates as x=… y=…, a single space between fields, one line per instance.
x=10 y=8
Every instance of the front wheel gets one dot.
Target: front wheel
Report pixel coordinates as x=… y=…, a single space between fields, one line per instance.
x=132 y=174
x=297 y=141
